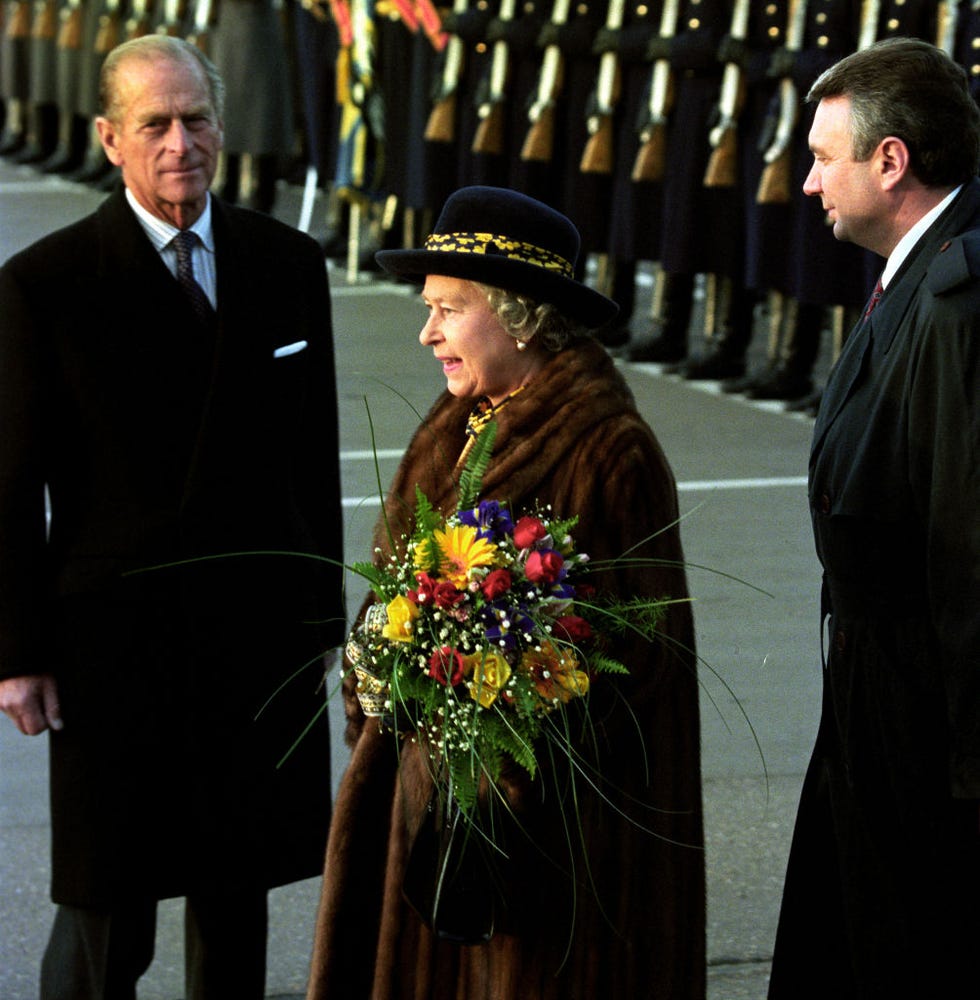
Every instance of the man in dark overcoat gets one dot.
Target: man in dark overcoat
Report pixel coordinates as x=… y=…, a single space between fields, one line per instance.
x=169 y=421
x=884 y=872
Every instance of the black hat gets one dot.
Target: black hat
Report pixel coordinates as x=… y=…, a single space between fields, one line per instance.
x=506 y=239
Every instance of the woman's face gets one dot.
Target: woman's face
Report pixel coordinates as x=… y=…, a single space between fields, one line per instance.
x=478 y=357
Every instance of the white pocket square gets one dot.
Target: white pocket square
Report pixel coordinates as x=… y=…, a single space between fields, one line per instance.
x=287 y=349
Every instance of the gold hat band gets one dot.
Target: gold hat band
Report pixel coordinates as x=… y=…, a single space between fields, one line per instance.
x=499 y=246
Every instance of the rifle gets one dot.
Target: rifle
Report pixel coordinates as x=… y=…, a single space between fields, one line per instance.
x=172 y=11
x=441 y=126
x=651 y=157
x=70 y=32
x=200 y=30
x=19 y=25
x=721 y=171
x=45 y=20
x=597 y=157
x=946 y=19
x=489 y=137
x=774 y=184
x=107 y=36
x=540 y=139
x=138 y=23
x=869 y=23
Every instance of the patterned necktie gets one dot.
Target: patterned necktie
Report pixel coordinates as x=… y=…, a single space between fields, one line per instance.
x=875 y=298
x=184 y=243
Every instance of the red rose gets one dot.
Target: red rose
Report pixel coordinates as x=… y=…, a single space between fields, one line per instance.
x=446 y=595
x=527 y=531
x=543 y=567
x=446 y=666
x=497 y=582
x=571 y=628
x=426 y=590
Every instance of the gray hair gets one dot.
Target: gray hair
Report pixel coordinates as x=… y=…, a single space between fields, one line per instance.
x=525 y=319
x=907 y=88
x=150 y=48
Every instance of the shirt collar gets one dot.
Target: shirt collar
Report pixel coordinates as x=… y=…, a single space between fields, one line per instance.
x=904 y=246
x=161 y=232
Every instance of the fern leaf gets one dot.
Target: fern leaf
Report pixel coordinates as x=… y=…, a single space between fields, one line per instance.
x=471 y=478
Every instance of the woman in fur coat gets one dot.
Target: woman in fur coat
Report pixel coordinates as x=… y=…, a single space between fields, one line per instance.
x=603 y=895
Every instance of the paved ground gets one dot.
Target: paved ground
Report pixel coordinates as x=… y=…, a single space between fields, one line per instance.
x=741 y=470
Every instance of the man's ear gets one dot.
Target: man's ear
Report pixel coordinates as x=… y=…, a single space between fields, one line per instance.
x=108 y=138
x=893 y=161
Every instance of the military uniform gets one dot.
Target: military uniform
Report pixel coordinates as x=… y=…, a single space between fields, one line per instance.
x=635 y=210
x=14 y=74
x=249 y=50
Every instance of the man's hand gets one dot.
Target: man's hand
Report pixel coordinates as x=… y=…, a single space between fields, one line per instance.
x=32 y=702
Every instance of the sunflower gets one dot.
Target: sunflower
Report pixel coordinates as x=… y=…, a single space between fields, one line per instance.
x=462 y=551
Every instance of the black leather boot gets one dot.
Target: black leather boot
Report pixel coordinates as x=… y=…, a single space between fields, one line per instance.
x=42 y=135
x=69 y=154
x=728 y=341
x=792 y=377
x=620 y=286
x=14 y=135
x=673 y=304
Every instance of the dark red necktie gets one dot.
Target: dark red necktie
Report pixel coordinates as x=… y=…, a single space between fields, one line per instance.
x=875 y=298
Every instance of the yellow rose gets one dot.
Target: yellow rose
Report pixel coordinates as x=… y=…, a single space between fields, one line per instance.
x=489 y=673
x=401 y=615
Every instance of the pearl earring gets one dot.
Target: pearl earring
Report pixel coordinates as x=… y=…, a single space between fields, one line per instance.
x=522 y=345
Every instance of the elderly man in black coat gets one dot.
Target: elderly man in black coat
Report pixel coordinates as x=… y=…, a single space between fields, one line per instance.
x=168 y=624
x=882 y=891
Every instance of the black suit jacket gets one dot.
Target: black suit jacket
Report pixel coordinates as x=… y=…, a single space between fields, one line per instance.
x=161 y=443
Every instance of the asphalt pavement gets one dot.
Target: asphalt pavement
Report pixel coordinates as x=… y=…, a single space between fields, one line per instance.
x=741 y=469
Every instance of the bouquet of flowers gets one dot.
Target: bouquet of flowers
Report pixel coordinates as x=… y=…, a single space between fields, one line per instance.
x=483 y=635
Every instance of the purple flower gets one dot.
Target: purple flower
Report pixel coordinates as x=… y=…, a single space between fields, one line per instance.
x=504 y=624
x=490 y=519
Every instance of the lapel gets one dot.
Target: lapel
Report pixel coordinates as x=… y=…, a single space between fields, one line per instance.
x=205 y=369
x=129 y=264
x=236 y=362
x=872 y=339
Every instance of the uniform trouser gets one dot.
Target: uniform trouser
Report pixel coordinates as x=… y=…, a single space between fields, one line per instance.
x=100 y=955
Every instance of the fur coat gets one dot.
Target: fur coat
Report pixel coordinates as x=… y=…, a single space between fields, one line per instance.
x=617 y=907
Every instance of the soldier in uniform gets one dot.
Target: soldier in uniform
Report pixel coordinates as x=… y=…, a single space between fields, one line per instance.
x=14 y=75
x=249 y=50
x=75 y=47
x=701 y=227
x=524 y=60
x=820 y=272
x=316 y=45
x=42 y=96
x=634 y=211
x=108 y=31
x=557 y=180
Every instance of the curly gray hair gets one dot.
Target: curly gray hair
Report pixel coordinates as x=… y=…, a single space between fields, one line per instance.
x=525 y=319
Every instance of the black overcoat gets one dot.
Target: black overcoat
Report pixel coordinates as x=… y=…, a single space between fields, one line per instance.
x=160 y=442
x=884 y=872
